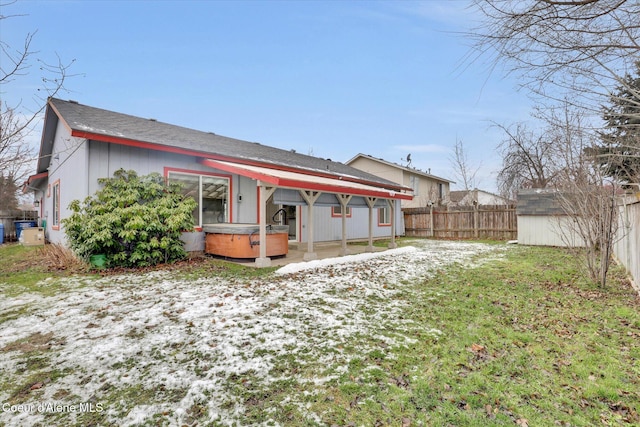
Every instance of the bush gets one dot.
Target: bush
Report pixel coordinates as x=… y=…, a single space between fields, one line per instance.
x=135 y=221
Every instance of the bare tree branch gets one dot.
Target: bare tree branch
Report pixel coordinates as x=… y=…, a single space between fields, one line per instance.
x=17 y=120
x=561 y=49
x=464 y=171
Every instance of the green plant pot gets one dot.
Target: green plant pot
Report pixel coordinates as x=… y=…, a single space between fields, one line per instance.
x=98 y=261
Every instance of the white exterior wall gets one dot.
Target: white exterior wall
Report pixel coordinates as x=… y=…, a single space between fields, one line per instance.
x=69 y=159
x=379 y=169
x=543 y=230
x=427 y=192
x=490 y=199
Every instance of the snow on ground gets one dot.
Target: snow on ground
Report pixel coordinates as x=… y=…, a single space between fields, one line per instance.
x=184 y=343
x=328 y=262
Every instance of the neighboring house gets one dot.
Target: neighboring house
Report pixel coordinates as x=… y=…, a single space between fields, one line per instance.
x=542 y=221
x=233 y=181
x=427 y=188
x=476 y=196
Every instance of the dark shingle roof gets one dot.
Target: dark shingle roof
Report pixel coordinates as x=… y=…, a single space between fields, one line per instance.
x=83 y=118
x=538 y=201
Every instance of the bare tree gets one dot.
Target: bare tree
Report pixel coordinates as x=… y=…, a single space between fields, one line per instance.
x=529 y=159
x=577 y=47
x=557 y=157
x=586 y=196
x=576 y=52
x=464 y=170
x=17 y=120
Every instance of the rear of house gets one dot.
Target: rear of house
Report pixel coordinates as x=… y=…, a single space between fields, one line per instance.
x=81 y=144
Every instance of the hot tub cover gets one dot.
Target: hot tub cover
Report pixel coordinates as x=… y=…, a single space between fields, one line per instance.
x=242 y=228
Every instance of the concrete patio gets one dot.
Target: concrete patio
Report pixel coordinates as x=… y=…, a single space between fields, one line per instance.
x=323 y=250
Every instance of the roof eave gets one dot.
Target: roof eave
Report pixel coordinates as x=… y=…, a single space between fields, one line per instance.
x=397 y=166
x=176 y=150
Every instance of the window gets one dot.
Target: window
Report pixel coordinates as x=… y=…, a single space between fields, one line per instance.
x=211 y=193
x=56 y=206
x=441 y=191
x=384 y=216
x=336 y=211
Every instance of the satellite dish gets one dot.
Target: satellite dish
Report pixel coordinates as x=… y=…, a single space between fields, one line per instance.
x=408 y=159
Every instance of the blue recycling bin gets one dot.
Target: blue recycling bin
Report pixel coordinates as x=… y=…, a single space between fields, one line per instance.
x=1 y=233
x=20 y=225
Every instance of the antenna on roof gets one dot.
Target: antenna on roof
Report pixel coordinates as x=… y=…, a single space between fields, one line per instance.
x=408 y=159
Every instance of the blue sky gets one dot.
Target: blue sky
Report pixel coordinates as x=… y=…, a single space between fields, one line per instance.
x=328 y=78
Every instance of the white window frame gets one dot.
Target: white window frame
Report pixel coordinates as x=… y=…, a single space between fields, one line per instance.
x=227 y=206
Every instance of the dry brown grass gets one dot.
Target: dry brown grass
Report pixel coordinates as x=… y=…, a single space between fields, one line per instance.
x=57 y=257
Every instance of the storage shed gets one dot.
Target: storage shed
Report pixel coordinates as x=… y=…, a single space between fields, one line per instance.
x=541 y=219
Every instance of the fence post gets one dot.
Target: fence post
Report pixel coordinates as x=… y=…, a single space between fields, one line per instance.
x=431 y=219
x=475 y=219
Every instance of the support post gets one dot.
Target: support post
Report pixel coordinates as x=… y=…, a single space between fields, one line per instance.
x=392 y=205
x=371 y=201
x=265 y=193
x=310 y=197
x=344 y=200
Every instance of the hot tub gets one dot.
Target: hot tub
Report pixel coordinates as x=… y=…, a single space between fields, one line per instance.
x=240 y=240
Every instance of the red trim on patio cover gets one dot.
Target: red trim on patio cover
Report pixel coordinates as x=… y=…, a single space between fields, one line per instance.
x=298 y=180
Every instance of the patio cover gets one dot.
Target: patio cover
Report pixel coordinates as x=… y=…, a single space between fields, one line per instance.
x=303 y=181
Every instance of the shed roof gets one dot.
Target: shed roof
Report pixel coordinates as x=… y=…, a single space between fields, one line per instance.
x=103 y=125
x=539 y=201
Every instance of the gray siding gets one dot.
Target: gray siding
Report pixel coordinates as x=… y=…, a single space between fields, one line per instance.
x=105 y=159
x=328 y=228
x=81 y=163
x=69 y=160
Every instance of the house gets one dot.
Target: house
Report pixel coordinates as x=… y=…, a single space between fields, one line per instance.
x=233 y=181
x=427 y=189
x=477 y=196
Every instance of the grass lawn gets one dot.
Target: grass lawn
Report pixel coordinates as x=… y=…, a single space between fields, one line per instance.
x=451 y=334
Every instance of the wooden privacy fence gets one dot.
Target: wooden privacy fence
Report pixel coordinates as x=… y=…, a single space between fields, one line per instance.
x=497 y=222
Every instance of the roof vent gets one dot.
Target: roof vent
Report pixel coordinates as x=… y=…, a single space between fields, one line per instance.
x=73 y=101
x=211 y=133
x=152 y=120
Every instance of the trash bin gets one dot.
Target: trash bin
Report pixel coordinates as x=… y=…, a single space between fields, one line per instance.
x=20 y=225
x=1 y=233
